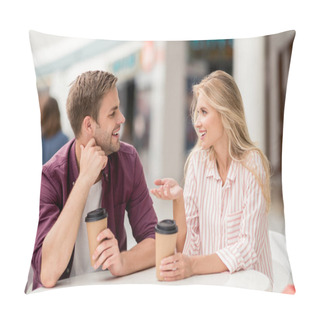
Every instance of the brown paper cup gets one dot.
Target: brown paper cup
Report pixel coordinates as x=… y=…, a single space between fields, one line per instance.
x=96 y=221
x=166 y=238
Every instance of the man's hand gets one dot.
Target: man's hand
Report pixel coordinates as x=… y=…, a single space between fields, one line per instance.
x=92 y=160
x=107 y=254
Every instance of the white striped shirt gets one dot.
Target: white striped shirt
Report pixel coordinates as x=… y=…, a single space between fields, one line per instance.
x=229 y=220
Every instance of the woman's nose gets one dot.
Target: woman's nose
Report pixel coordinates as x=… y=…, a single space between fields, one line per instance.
x=197 y=123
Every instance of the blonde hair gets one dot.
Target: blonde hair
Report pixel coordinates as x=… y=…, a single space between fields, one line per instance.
x=222 y=93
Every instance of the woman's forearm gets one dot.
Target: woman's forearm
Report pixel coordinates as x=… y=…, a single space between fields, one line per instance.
x=207 y=264
x=180 y=217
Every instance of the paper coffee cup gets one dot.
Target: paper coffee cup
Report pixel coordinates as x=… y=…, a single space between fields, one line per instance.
x=166 y=238
x=96 y=221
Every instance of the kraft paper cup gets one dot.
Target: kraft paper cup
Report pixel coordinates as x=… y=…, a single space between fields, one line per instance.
x=166 y=238
x=96 y=221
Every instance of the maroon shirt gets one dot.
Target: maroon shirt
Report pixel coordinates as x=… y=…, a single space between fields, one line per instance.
x=123 y=188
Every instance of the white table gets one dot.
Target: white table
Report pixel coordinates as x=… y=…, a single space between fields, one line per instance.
x=249 y=279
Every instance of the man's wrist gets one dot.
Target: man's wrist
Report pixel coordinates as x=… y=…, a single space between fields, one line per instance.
x=123 y=263
x=84 y=181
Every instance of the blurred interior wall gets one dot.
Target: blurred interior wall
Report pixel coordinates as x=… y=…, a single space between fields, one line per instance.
x=249 y=74
x=278 y=57
x=167 y=125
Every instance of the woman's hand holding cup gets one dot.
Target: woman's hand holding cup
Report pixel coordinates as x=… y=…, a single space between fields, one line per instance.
x=176 y=267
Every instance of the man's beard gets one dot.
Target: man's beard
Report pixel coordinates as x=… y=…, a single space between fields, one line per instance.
x=107 y=146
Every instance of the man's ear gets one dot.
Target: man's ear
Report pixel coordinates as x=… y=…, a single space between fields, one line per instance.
x=88 y=126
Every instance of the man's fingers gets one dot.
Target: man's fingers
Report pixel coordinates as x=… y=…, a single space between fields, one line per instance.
x=109 y=262
x=103 y=257
x=91 y=143
x=104 y=245
x=104 y=250
x=105 y=234
x=105 y=162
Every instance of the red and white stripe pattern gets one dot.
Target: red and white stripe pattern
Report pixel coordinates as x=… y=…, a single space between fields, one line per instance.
x=229 y=220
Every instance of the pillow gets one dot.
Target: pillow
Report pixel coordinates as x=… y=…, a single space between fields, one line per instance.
x=155 y=81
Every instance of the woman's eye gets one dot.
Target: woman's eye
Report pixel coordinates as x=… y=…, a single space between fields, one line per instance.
x=204 y=112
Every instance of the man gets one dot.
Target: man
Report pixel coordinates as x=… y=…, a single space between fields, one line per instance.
x=93 y=170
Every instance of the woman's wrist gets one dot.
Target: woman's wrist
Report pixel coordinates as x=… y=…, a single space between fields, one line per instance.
x=180 y=198
x=207 y=264
x=178 y=209
x=193 y=264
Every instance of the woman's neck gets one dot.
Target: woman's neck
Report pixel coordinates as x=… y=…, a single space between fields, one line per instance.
x=223 y=161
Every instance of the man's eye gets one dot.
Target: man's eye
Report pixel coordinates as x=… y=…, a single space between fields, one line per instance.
x=112 y=114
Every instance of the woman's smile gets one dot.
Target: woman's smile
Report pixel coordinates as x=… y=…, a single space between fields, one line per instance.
x=202 y=133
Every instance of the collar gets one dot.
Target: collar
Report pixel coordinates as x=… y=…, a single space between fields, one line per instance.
x=212 y=170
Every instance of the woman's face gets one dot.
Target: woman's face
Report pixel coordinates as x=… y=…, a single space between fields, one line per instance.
x=209 y=125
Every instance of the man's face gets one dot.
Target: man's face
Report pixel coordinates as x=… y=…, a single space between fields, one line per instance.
x=110 y=118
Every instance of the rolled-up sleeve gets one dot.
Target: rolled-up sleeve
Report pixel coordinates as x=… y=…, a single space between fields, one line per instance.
x=141 y=214
x=192 y=243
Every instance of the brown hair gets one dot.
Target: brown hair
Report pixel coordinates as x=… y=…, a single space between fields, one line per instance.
x=50 y=118
x=85 y=95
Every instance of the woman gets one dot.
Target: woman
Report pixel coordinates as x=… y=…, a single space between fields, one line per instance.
x=222 y=211
x=52 y=136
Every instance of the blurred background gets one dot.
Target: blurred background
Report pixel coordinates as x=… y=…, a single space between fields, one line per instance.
x=155 y=90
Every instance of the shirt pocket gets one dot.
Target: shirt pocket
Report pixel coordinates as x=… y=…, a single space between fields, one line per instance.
x=233 y=226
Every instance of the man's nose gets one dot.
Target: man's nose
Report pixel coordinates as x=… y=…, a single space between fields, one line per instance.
x=121 y=119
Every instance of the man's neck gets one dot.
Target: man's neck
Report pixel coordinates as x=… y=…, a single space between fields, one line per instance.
x=78 y=152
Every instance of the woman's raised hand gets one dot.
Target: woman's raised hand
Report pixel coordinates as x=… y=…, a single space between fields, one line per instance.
x=168 y=189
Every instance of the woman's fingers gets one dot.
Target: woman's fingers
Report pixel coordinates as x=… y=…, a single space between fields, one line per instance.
x=168 y=268
x=175 y=267
x=167 y=191
x=159 y=193
x=171 y=275
x=158 y=182
x=156 y=193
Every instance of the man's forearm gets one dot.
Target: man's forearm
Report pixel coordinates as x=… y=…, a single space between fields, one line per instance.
x=59 y=242
x=141 y=256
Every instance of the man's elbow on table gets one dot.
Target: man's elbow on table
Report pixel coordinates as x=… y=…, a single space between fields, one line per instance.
x=48 y=281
